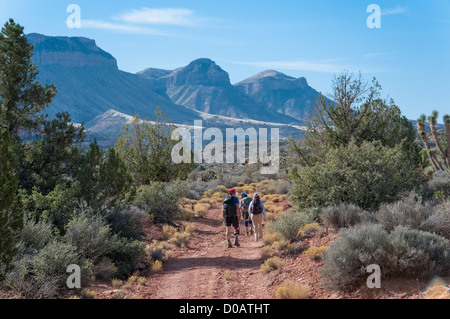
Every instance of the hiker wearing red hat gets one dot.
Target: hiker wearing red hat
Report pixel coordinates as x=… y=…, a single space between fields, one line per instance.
x=231 y=215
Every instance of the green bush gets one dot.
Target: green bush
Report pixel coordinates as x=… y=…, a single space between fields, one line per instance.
x=43 y=274
x=127 y=222
x=90 y=235
x=35 y=235
x=366 y=176
x=402 y=253
x=289 y=224
x=160 y=200
x=127 y=254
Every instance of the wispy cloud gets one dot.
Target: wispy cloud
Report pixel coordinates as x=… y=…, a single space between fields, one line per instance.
x=376 y=54
x=123 y=28
x=165 y=16
x=310 y=66
x=298 y=66
x=397 y=10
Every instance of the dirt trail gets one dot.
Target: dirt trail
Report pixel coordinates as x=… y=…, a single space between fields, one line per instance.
x=209 y=270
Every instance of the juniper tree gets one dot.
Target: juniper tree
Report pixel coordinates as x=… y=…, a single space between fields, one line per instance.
x=22 y=96
x=11 y=216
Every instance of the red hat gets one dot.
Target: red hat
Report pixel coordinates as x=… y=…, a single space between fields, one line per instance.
x=232 y=191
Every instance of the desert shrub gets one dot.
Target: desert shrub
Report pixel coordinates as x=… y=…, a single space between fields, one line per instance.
x=418 y=254
x=126 y=222
x=283 y=188
x=342 y=216
x=88 y=294
x=316 y=253
x=181 y=239
x=270 y=236
x=289 y=224
x=280 y=245
x=365 y=174
x=273 y=263
x=408 y=211
x=439 y=221
x=127 y=254
x=348 y=256
x=157 y=251
x=309 y=229
x=168 y=231
x=161 y=200
x=157 y=266
x=35 y=235
x=117 y=283
x=404 y=252
x=266 y=253
x=90 y=235
x=440 y=183
x=43 y=275
x=292 y=290
x=192 y=194
x=104 y=269
x=201 y=210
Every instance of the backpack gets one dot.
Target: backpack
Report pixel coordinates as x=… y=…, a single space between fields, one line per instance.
x=229 y=207
x=245 y=203
x=257 y=208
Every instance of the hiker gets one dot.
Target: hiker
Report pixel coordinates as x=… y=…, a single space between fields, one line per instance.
x=231 y=215
x=257 y=214
x=245 y=204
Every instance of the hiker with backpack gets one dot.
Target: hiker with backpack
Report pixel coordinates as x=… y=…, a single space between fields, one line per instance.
x=231 y=215
x=258 y=214
x=245 y=204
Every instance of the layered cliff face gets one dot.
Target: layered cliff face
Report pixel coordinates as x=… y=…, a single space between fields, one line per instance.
x=89 y=82
x=284 y=94
x=69 y=52
x=204 y=86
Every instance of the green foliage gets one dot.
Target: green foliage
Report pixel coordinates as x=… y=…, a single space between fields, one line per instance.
x=58 y=207
x=126 y=222
x=161 y=201
x=146 y=149
x=103 y=183
x=90 y=235
x=358 y=114
x=11 y=214
x=289 y=224
x=23 y=98
x=54 y=157
x=127 y=254
x=403 y=253
x=366 y=176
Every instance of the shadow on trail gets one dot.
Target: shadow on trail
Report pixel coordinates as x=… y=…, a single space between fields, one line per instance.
x=221 y=262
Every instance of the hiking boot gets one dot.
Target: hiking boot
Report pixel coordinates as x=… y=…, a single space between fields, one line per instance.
x=251 y=231
x=236 y=242
x=246 y=234
x=229 y=244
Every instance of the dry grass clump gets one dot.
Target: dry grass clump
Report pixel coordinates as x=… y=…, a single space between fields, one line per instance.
x=273 y=263
x=316 y=253
x=292 y=290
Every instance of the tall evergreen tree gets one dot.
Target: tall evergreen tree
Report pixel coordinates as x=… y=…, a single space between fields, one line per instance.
x=22 y=95
x=11 y=216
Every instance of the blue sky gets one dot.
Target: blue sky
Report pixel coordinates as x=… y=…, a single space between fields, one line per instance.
x=409 y=55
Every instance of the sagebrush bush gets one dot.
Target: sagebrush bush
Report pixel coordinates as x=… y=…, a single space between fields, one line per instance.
x=408 y=211
x=35 y=235
x=105 y=269
x=127 y=222
x=90 y=235
x=181 y=239
x=289 y=224
x=341 y=216
x=404 y=252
